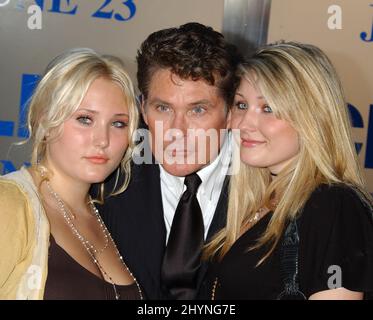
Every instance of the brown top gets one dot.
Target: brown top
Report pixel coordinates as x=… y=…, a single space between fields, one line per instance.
x=68 y=280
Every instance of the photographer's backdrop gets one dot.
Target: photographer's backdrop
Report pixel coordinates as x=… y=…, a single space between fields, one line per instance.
x=32 y=32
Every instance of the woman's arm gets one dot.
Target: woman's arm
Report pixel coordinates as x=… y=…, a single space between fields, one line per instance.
x=337 y=294
x=14 y=230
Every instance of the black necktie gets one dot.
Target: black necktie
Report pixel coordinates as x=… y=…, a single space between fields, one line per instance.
x=183 y=253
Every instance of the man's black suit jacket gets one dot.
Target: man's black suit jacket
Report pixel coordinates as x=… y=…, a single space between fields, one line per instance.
x=135 y=220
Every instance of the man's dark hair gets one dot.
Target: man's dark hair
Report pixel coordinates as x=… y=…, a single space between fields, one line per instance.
x=192 y=51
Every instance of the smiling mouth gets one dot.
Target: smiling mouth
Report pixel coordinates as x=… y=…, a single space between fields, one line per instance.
x=97 y=160
x=251 y=143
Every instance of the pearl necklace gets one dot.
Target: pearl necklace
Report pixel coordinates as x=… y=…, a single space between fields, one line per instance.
x=117 y=296
x=67 y=214
x=92 y=251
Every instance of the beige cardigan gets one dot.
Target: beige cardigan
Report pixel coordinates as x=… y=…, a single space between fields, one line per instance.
x=24 y=238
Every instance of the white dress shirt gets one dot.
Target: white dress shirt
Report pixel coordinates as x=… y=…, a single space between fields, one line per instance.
x=212 y=176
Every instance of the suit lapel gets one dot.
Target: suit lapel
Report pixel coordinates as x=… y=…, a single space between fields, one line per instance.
x=218 y=222
x=220 y=215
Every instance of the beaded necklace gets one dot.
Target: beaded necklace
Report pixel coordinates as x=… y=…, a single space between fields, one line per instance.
x=92 y=251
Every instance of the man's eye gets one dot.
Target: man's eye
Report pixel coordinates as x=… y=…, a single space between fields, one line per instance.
x=241 y=105
x=198 y=110
x=163 y=108
x=120 y=124
x=267 y=109
x=84 y=120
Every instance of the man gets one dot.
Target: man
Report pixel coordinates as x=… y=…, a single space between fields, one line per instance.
x=187 y=79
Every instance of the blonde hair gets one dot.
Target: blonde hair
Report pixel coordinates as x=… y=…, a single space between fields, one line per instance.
x=62 y=89
x=302 y=87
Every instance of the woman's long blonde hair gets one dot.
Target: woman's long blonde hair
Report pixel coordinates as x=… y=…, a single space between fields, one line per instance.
x=62 y=89
x=302 y=87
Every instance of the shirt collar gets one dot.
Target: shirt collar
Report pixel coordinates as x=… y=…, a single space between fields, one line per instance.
x=174 y=183
x=217 y=169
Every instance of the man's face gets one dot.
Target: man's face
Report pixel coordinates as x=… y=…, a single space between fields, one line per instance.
x=185 y=119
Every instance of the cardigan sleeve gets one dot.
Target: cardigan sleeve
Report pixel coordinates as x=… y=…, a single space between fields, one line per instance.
x=16 y=231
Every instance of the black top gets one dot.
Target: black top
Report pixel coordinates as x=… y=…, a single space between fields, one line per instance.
x=335 y=230
x=68 y=280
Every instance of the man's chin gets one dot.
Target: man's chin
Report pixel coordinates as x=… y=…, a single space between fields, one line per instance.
x=182 y=170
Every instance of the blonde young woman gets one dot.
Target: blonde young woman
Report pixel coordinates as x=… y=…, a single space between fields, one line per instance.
x=53 y=243
x=299 y=222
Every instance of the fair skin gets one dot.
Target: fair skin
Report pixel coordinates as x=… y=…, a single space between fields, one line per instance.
x=180 y=107
x=265 y=141
x=91 y=146
x=268 y=142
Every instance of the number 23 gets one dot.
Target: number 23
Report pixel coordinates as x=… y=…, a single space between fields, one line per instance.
x=100 y=13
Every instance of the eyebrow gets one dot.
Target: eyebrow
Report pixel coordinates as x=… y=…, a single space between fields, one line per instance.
x=203 y=101
x=96 y=112
x=157 y=100
x=258 y=97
